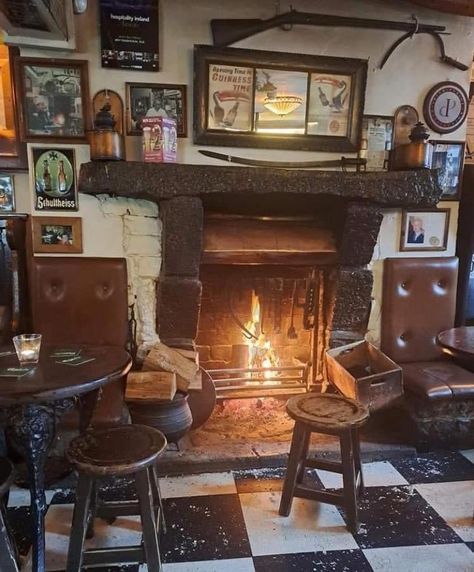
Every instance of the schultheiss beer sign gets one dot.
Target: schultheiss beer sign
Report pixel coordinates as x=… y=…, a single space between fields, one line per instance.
x=54 y=180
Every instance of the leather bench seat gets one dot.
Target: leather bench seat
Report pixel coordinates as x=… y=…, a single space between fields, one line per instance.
x=437 y=380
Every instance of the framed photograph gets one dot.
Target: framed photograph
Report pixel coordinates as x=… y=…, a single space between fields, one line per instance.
x=250 y=98
x=7 y=193
x=54 y=173
x=57 y=235
x=448 y=158
x=53 y=99
x=376 y=141
x=155 y=100
x=13 y=154
x=424 y=230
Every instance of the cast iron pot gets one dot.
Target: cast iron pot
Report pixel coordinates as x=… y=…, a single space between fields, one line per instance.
x=173 y=418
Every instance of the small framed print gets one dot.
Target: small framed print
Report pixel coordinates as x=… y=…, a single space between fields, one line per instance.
x=58 y=235
x=7 y=193
x=376 y=141
x=155 y=100
x=54 y=173
x=448 y=158
x=424 y=230
x=53 y=99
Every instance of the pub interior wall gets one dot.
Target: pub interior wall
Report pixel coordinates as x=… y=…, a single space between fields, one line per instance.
x=409 y=74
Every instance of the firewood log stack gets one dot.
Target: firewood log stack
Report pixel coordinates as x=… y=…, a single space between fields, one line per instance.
x=164 y=371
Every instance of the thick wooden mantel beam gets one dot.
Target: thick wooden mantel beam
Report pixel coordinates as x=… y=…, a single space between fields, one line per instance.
x=462 y=7
x=156 y=181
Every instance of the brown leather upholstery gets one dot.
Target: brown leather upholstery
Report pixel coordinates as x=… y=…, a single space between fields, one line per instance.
x=83 y=300
x=419 y=297
x=419 y=300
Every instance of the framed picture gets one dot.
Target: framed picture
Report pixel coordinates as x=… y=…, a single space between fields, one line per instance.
x=53 y=99
x=376 y=141
x=54 y=173
x=58 y=235
x=13 y=154
x=155 y=100
x=250 y=98
x=424 y=230
x=448 y=158
x=7 y=193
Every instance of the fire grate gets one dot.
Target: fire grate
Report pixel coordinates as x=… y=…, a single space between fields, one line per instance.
x=243 y=383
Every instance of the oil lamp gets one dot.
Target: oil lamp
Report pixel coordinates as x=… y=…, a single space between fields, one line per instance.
x=105 y=142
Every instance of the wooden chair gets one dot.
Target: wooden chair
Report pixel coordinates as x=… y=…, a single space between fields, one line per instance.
x=329 y=415
x=125 y=450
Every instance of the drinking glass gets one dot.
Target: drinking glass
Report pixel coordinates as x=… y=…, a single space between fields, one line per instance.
x=27 y=348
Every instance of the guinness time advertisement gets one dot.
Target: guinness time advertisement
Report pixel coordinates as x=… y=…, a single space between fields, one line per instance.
x=129 y=34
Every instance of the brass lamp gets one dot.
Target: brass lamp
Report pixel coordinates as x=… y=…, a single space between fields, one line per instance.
x=106 y=143
x=414 y=155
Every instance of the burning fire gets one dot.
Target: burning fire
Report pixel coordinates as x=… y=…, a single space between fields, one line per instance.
x=261 y=352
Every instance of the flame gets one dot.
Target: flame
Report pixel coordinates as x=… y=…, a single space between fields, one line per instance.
x=261 y=352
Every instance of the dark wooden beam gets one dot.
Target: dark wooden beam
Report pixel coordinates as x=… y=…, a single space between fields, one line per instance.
x=461 y=7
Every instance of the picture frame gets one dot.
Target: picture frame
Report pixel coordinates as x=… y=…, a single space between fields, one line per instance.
x=277 y=100
x=54 y=178
x=448 y=158
x=13 y=151
x=53 y=99
x=376 y=141
x=424 y=230
x=155 y=100
x=7 y=193
x=57 y=235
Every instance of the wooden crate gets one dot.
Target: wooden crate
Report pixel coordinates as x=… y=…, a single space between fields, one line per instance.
x=363 y=372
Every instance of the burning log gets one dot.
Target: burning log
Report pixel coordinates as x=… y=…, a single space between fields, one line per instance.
x=150 y=386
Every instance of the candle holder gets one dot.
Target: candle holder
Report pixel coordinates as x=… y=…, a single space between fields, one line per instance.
x=27 y=348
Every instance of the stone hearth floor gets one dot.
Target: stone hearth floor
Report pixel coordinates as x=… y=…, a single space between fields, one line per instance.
x=257 y=433
x=416 y=515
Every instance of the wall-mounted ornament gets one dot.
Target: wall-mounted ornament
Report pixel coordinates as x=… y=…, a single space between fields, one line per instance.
x=413 y=155
x=54 y=173
x=405 y=119
x=116 y=106
x=445 y=107
x=106 y=143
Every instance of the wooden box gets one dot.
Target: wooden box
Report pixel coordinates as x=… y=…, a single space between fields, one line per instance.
x=363 y=372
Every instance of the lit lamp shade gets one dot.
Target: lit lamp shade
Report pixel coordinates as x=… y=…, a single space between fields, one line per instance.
x=282 y=104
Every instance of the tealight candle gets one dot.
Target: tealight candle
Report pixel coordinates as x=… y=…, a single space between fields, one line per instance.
x=27 y=348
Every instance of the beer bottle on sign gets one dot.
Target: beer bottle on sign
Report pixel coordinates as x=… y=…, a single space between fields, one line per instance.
x=46 y=176
x=62 y=181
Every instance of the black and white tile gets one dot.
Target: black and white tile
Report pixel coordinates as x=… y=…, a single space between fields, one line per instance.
x=416 y=515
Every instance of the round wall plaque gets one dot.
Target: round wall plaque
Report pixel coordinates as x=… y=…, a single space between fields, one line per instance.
x=445 y=107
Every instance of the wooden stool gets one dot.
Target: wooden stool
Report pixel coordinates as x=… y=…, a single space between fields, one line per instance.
x=329 y=415
x=8 y=552
x=126 y=450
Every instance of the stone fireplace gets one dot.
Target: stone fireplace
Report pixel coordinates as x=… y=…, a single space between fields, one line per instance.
x=292 y=242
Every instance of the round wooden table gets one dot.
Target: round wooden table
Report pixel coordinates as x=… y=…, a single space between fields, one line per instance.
x=32 y=404
x=458 y=342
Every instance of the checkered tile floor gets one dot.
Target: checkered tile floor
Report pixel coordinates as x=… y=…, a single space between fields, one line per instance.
x=416 y=515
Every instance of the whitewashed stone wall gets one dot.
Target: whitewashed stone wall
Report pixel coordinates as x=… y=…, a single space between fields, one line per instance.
x=141 y=243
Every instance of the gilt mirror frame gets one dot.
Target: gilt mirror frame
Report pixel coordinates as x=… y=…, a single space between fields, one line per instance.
x=325 y=120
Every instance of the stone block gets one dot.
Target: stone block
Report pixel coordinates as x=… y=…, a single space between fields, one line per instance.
x=352 y=299
x=182 y=236
x=142 y=225
x=141 y=245
x=359 y=234
x=120 y=206
x=149 y=266
x=179 y=304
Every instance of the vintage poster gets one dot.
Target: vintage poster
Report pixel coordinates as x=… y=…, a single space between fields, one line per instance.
x=230 y=97
x=329 y=104
x=129 y=34
x=54 y=180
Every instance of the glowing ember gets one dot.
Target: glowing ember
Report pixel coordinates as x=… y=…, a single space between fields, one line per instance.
x=261 y=352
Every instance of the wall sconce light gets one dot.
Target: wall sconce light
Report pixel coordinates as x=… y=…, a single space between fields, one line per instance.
x=80 y=6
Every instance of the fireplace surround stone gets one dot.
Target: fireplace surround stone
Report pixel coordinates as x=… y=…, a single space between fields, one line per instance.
x=183 y=191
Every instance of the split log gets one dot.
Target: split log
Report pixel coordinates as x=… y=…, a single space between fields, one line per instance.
x=162 y=357
x=150 y=386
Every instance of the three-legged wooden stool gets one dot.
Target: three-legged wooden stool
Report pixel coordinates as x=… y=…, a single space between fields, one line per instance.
x=8 y=552
x=126 y=450
x=329 y=415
